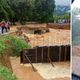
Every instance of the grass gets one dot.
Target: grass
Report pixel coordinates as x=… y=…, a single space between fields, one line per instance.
x=14 y=44
x=6 y=74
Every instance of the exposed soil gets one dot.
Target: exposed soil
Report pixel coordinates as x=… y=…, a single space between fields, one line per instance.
x=5 y=61
x=22 y=72
x=61 y=78
x=1 y=78
x=60 y=69
x=26 y=73
x=54 y=37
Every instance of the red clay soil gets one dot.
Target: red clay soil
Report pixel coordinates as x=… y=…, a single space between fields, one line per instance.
x=26 y=73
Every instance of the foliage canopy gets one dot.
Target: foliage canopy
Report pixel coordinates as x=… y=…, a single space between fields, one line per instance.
x=14 y=44
x=27 y=10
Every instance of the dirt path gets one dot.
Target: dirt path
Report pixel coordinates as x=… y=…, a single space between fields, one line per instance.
x=22 y=72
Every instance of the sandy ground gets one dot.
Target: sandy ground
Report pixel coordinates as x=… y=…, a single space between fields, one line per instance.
x=1 y=78
x=22 y=72
x=26 y=73
x=54 y=37
x=47 y=71
x=76 y=50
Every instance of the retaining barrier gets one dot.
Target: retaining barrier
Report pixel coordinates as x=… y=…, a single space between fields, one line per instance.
x=44 y=53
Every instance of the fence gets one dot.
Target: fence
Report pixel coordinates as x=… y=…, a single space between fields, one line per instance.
x=45 y=54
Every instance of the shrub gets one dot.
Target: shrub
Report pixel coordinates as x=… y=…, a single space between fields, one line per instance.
x=6 y=74
x=14 y=43
x=3 y=46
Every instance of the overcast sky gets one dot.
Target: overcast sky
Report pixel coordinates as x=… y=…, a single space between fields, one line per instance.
x=62 y=2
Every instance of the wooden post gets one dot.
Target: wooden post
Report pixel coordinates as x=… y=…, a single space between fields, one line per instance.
x=29 y=61
x=42 y=55
x=65 y=53
x=36 y=54
x=49 y=56
x=59 y=53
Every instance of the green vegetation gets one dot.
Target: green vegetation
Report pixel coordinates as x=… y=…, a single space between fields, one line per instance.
x=14 y=44
x=6 y=74
x=44 y=10
x=27 y=10
x=3 y=46
x=5 y=10
x=61 y=17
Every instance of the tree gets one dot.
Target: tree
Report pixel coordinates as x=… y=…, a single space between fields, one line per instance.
x=27 y=10
x=43 y=11
x=5 y=10
x=22 y=9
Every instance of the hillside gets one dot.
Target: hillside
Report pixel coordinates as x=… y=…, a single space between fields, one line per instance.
x=60 y=10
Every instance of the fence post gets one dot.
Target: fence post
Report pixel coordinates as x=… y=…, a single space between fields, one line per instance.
x=65 y=52
x=49 y=56
x=42 y=55
x=36 y=55
x=59 y=53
